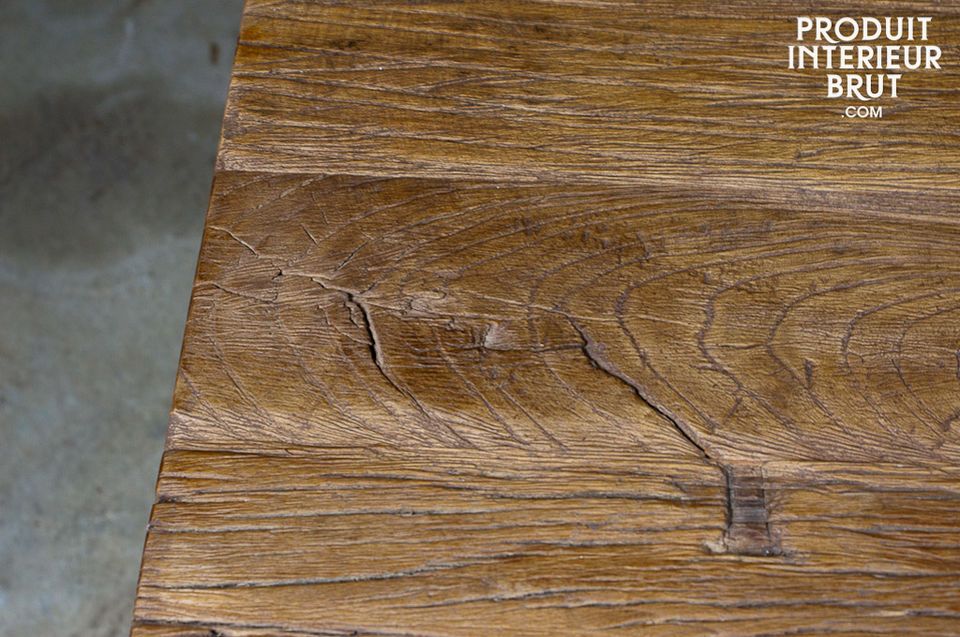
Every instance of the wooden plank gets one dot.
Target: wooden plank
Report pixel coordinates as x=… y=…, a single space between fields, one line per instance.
x=356 y=541
x=679 y=322
x=547 y=318
x=579 y=91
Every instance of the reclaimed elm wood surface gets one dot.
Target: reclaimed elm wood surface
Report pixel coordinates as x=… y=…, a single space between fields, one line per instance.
x=566 y=318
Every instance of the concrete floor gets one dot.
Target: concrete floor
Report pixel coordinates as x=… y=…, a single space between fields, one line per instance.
x=109 y=117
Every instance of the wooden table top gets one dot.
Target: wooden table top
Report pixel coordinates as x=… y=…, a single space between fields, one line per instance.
x=567 y=317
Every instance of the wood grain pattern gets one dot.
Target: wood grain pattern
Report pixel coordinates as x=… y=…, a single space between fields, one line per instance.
x=484 y=543
x=579 y=90
x=548 y=318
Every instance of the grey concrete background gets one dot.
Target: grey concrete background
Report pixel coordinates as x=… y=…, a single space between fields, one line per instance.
x=109 y=117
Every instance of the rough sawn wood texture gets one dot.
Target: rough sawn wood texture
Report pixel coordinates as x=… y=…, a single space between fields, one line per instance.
x=566 y=318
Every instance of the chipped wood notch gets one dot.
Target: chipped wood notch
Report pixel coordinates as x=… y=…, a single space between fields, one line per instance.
x=748 y=529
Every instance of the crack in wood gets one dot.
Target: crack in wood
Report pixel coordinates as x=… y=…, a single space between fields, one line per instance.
x=596 y=354
x=355 y=302
x=748 y=529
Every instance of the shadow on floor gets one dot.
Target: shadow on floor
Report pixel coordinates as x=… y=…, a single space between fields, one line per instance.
x=109 y=117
